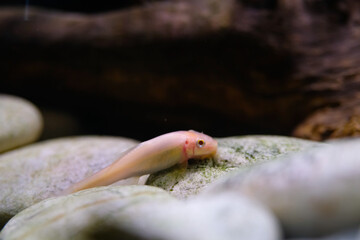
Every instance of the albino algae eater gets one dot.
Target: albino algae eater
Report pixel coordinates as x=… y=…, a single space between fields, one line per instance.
x=151 y=156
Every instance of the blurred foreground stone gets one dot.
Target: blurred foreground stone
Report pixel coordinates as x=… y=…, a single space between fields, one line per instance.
x=313 y=193
x=141 y=212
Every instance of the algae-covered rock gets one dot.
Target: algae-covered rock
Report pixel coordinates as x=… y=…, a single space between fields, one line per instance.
x=20 y=122
x=141 y=212
x=36 y=172
x=233 y=153
x=312 y=193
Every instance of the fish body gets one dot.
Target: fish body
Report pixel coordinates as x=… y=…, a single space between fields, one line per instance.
x=151 y=156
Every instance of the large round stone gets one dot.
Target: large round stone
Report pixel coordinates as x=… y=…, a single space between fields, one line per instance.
x=39 y=171
x=20 y=122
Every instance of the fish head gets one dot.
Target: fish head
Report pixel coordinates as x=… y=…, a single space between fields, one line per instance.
x=199 y=145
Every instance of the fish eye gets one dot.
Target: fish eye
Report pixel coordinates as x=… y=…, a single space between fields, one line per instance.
x=200 y=143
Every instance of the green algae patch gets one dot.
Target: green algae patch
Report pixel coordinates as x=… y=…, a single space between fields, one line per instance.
x=233 y=153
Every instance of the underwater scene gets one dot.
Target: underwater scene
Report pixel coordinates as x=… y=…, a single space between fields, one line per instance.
x=180 y=119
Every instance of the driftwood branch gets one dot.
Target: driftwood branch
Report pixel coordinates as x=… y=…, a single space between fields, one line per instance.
x=150 y=22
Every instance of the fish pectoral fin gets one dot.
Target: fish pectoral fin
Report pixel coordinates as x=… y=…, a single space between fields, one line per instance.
x=184 y=165
x=181 y=171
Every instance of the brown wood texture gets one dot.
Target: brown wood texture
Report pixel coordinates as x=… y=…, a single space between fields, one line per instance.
x=228 y=67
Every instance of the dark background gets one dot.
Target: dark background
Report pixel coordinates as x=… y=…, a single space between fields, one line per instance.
x=74 y=6
x=70 y=110
x=275 y=67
